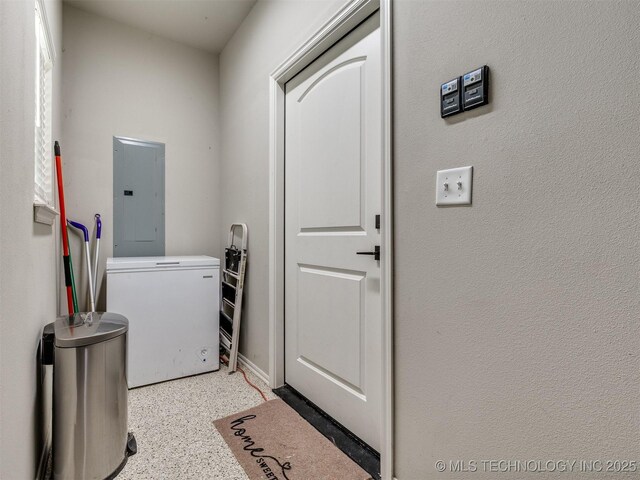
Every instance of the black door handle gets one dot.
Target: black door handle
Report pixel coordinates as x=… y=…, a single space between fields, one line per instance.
x=375 y=253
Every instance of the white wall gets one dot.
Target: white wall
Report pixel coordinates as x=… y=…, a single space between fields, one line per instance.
x=28 y=253
x=516 y=323
x=271 y=32
x=125 y=82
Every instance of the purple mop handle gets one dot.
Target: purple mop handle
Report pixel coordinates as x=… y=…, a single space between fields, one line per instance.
x=79 y=226
x=98 y=226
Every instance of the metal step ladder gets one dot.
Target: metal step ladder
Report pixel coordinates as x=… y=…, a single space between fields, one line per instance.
x=235 y=265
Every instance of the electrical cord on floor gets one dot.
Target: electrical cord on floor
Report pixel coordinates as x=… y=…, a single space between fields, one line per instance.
x=244 y=374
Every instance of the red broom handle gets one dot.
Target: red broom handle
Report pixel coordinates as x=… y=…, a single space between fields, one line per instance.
x=63 y=228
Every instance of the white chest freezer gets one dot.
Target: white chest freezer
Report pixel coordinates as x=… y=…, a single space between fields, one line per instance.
x=172 y=305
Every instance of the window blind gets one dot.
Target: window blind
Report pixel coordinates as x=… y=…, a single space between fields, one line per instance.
x=43 y=152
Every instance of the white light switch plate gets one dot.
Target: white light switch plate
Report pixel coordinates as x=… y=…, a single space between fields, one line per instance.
x=453 y=186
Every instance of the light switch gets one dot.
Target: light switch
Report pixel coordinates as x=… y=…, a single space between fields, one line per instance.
x=453 y=186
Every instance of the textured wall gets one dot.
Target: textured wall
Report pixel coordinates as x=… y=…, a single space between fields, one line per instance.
x=125 y=82
x=516 y=327
x=271 y=32
x=28 y=250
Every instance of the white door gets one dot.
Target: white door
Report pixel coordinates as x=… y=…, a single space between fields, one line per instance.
x=332 y=195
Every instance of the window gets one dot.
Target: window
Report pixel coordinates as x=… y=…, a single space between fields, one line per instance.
x=43 y=186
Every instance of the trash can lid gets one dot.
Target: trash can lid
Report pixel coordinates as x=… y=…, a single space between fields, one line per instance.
x=83 y=329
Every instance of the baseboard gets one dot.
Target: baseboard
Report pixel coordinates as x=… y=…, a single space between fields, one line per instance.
x=254 y=369
x=44 y=459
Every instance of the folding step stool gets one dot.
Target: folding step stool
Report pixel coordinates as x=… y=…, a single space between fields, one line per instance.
x=235 y=264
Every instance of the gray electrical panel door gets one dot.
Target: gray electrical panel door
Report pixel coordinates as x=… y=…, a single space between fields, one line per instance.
x=138 y=198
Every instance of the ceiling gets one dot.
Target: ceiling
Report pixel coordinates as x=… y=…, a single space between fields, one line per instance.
x=205 y=24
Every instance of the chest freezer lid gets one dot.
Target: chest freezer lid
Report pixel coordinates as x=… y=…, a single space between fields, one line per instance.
x=132 y=263
x=82 y=329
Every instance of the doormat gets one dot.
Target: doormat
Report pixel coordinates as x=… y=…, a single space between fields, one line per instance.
x=272 y=442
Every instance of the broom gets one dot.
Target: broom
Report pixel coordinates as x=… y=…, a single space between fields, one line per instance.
x=72 y=305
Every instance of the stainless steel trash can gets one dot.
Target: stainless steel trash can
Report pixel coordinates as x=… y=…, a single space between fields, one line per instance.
x=89 y=357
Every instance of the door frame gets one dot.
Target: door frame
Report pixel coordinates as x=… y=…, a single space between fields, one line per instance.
x=341 y=23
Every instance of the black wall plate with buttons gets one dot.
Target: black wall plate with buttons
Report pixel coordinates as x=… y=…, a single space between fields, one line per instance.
x=475 y=88
x=450 y=103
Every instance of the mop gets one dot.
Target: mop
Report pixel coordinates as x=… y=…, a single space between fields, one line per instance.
x=96 y=256
x=73 y=284
x=72 y=305
x=85 y=231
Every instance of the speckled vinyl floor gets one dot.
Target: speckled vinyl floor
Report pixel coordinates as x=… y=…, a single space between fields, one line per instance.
x=173 y=425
